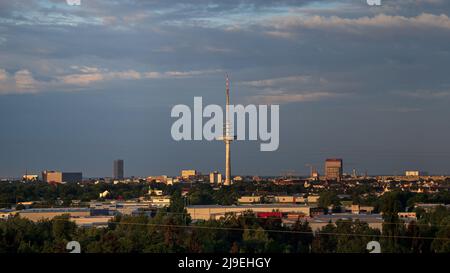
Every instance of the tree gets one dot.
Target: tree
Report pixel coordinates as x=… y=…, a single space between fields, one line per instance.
x=393 y=227
x=328 y=198
x=255 y=241
x=301 y=237
x=441 y=244
x=324 y=241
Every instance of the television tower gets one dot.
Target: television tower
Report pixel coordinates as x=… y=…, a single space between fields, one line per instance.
x=227 y=137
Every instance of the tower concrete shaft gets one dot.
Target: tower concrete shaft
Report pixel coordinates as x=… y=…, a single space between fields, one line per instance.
x=227 y=163
x=227 y=137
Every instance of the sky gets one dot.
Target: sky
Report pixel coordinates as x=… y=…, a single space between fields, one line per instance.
x=83 y=85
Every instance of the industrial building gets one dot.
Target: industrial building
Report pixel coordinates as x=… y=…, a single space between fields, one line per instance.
x=206 y=212
x=49 y=213
x=319 y=221
x=60 y=177
x=249 y=199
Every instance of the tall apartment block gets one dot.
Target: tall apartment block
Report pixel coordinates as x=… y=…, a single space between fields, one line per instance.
x=118 y=169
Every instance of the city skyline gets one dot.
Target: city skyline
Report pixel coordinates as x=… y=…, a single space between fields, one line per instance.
x=319 y=169
x=366 y=84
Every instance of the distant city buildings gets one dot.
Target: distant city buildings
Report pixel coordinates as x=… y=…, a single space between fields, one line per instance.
x=118 y=169
x=333 y=169
x=207 y=212
x=215 y=178
x=39 y=214
x=415 y=173
x=30 y=177
x=249 y=199
x=188 y=174
x=72 y=177
x=51 y=176
x=60 y=177
x=237 y=178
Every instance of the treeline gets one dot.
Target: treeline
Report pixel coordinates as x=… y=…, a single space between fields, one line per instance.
x=48 y=194
x=406 y=200
x=171 y=230
x=199 y=193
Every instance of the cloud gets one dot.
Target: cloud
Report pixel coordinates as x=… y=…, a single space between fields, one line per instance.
x=401 y=109
x=90 y=75
x=425 y=94
x=180 y=74
x=86 y=69
x=280 y=34
x=300 y=79
x=23 y=80
x=3 y=75
x=282 y=97
x=277 y=45
x=291 y=89
x=192 y=73
x=218 y=49
x=81 y=79
x=424 y=20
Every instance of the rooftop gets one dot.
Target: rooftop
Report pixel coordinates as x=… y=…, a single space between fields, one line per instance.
x=347 y=216
x=251 y=206
x=42 y=210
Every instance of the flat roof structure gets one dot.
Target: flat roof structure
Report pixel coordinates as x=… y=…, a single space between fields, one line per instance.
x=206 y=212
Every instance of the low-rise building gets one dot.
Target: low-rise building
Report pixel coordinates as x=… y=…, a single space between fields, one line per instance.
x=49 y=213
x=5 y=214
x=238 y=178
x=320 y=221
x=415 y=173
x=206 y=212
x=358 y=209
x=92 y=221
x=30 y=177
x=249 y=199
x=188 y=174
x=430 y=206
x=155 y=192
x=160 y=201
x=312 y=198
x=284 y=199
x=407 y=215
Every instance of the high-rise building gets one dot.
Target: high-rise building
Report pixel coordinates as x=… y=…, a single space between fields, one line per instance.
x=118 y=169
x=215 y=178
x=333 y=169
